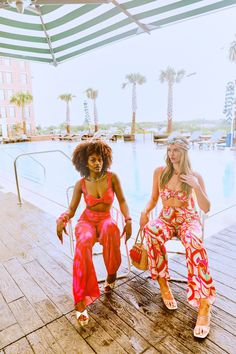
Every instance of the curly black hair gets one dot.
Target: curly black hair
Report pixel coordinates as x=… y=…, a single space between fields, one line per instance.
x=84 y=150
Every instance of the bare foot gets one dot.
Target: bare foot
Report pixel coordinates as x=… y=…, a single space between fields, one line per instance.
x=111 y=278
x=109 y=283
x=204 y=312
x=80 y=306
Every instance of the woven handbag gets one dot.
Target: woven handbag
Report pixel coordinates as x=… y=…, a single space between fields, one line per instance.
x=138 y=253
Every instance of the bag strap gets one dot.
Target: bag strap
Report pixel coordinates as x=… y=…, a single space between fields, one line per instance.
x=141 y=234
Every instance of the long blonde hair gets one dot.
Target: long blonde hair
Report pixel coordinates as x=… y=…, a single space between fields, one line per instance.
x=184 y=166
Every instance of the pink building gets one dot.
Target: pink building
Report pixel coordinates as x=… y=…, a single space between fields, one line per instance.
x=15 y=76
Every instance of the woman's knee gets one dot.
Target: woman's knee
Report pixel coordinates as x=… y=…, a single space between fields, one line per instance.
x=156 y=230
x=85 y=235
x=109 y=231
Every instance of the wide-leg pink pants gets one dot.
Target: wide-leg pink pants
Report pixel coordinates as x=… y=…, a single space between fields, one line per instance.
x=94 y=226
x=185 y=224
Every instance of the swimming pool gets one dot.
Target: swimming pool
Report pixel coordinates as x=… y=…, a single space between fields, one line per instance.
x=49 y=175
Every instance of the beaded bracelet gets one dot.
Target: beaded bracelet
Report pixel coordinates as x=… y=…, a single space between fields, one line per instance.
x=128 y=218
x=64 y=217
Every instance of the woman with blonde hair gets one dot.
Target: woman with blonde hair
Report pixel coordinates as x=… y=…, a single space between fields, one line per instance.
x=175 y=184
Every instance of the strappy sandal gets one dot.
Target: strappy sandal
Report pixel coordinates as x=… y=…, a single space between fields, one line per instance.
x=82 y=317
x=170 y=304
x=202 y=331
x=108 y=287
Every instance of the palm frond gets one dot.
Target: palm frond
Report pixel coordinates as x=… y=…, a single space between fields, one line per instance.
x=135 y=78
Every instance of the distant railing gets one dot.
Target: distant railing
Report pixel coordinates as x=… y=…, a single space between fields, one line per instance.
x=27 y=154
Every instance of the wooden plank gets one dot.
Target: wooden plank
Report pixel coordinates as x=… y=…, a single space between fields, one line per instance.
x=43 y=342
x=67 y=337
x=51 y=288
x=151 y=350
x=231 y=240
x=25 y=314
x=32 y=291
x=128 y=339
x=20 y=347
x=151 y=331
x=96 y=336
x=7 y=318
x=225 y=245
x=51 y=266
x=66 y=262
x=8 y=287
x=171 y=345
x=219 y=250
x=5 y=253
x=179 y=324
x=225 y=340
x=10 y=335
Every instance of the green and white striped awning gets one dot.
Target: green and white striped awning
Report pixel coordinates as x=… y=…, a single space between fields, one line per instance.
x=54 y=33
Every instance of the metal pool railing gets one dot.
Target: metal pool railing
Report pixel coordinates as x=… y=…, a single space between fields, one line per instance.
x=28 y=154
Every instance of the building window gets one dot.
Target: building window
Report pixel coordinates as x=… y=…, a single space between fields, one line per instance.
x=2 y=95
x=3 y=113
x=23 y=78
x=22 y=65
x=27 y=112
x=8 y=78
x=12 y=112
x=6 y=61
x=10 y=93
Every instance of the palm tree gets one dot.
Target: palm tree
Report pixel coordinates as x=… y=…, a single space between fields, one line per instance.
x=20 y=99
x=67 y=97
x=92 y=95
x=134 y=80
x=232 y=51
x=171 y=77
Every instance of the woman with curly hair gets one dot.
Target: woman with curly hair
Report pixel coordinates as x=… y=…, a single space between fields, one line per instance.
x=176 y=184
x=98 y=186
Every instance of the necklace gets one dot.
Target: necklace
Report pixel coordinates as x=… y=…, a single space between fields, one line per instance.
x=176 y=173
x=91 y=179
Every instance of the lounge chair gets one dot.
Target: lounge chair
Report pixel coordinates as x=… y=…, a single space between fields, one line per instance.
x=164 y=140
x=73 y=137
x=195 y=137
x=215 y=139
x=100 y=134
x=86 y=136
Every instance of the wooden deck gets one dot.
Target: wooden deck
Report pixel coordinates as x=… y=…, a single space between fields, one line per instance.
x=36 y=306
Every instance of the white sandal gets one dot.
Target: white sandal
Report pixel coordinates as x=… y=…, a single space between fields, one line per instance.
x=202 y=331
x=170 y=304
x=108 y=287
x=82 y=317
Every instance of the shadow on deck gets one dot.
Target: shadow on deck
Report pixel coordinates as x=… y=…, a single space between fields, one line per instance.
x=36 y=306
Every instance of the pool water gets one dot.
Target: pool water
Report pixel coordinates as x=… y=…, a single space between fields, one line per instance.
x=49 y=175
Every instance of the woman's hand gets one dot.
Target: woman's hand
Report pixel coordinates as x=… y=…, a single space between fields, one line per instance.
x=144 y=218
x=191 y=180
x=60 y=228
x=127 y=230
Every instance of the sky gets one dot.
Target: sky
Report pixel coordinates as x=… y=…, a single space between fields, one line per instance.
x=198 y=46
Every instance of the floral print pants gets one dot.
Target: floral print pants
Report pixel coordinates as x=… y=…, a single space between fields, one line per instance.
x=185 y=224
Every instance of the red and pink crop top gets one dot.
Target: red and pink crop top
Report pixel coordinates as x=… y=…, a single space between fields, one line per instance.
x=168 y=193
x=107 y=197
